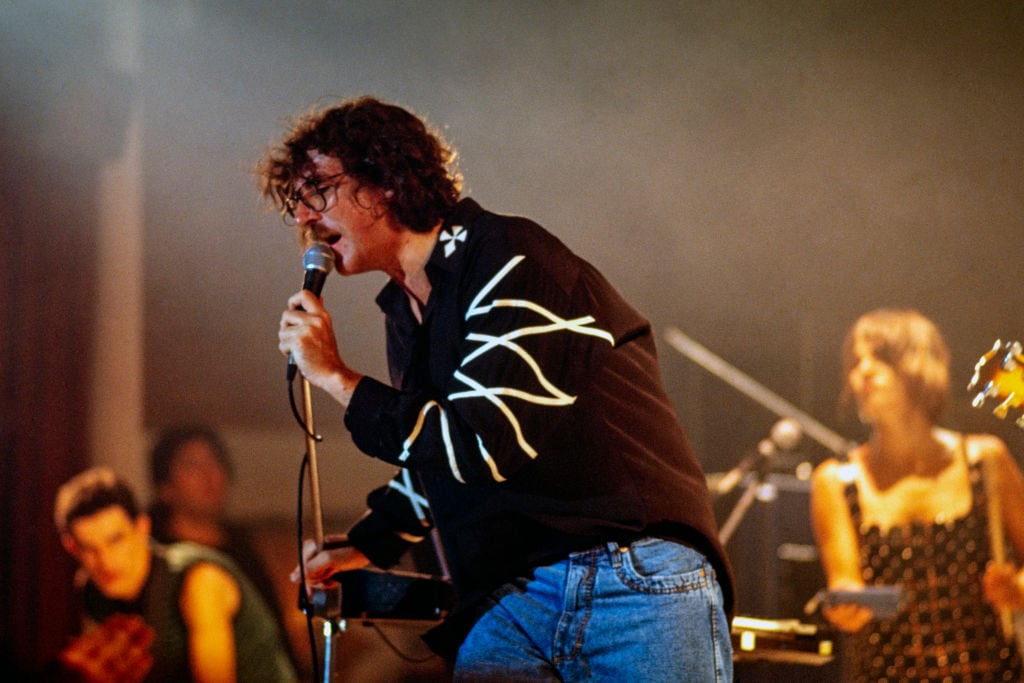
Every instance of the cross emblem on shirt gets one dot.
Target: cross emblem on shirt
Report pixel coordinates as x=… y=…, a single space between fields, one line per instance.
x=457 y=234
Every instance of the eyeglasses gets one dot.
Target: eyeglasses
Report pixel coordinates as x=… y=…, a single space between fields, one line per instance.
x=312 y=194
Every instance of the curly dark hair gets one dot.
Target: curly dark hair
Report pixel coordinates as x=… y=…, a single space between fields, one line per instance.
x=378 y=144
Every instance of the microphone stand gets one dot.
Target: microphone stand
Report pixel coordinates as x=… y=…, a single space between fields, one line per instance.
x=761 y=467
x=758 y=392
x=314 y=472
x=325 y=597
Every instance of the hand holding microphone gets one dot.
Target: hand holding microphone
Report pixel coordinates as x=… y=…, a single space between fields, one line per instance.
x=317 y=263
x=306 y=333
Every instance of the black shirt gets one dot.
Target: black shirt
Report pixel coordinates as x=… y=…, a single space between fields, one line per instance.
x=527 y=414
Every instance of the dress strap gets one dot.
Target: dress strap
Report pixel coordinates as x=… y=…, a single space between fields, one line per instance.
x=848 y=472
x=976 y=472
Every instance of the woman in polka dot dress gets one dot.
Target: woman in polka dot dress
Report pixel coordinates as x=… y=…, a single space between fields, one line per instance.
x=909 y=507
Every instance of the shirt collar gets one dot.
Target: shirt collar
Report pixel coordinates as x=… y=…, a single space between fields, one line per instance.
x=447 y=256
x=454 y=235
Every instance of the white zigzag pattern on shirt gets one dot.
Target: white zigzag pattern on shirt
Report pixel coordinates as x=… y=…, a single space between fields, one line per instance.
x=417 y=502
x=554 y=395
x=445 y=436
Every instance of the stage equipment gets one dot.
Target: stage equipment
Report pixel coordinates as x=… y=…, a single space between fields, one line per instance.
x=786 y=641
x=368 y=595
x=374 y=596
x=773 y=553
x=767 y=398
x=784 y=436
x=999 y=374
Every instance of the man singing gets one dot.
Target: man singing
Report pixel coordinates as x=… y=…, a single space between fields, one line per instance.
x=525 y=412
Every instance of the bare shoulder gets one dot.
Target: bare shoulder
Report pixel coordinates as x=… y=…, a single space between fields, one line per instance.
x=982 y=446
x=208 y=575
x=827 y=470
x=210 y=585
x=833 y=474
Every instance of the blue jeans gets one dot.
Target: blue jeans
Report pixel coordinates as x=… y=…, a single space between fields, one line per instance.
x=651 y=611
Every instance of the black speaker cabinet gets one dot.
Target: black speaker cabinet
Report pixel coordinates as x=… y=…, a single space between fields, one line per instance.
x=777 y=569
x=772 y=548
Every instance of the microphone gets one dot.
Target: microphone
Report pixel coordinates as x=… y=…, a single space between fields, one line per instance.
x=784 y=436
x=317 y=262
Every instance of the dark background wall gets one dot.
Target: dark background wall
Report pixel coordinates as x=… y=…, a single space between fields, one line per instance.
x=755 y=174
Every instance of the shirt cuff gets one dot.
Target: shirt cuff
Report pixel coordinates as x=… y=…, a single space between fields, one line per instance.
x=378 y=541
x=367 y=404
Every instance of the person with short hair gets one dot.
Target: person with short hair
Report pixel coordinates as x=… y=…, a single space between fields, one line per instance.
x=180 y=612
x=909 y=508
x=191 y=473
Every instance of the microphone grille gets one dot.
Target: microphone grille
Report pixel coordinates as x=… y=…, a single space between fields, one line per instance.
x=786 y=434
x=318 y=257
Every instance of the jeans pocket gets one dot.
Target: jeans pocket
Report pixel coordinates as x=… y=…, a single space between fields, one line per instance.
x=654 y=565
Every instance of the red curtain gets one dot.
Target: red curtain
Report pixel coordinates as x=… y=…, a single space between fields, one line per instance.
x=62 y=117
x=48 y=220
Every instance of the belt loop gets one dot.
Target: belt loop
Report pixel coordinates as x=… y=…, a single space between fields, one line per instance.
x=615 y=552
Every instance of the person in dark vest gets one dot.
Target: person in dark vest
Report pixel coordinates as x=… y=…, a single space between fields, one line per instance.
x=192 y=474
x=153 y=612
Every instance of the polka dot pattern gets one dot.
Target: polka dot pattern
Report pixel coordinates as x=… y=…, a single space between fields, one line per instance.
x=944 y=630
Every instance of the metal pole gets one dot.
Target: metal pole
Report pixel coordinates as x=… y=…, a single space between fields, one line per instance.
x=718 y=367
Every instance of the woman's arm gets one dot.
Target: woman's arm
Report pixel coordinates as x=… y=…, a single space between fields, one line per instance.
x=838 y=544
